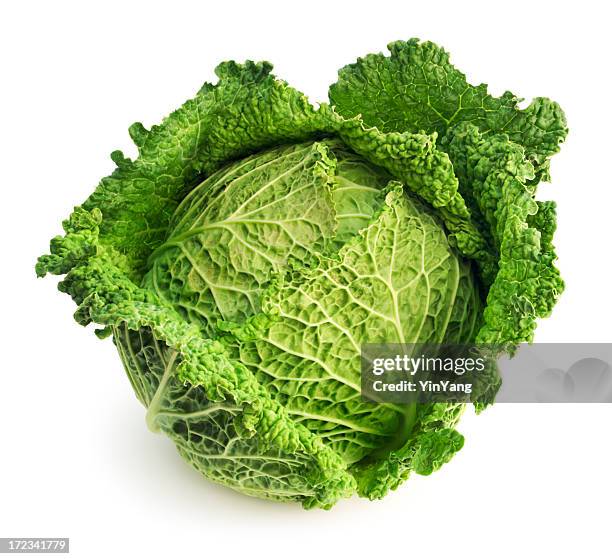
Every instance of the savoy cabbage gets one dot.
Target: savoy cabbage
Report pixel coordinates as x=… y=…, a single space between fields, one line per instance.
x=257 y=241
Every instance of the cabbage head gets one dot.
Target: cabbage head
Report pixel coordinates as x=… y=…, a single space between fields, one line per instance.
x=257 y=241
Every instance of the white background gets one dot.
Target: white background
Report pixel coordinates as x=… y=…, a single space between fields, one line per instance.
x=75 y=456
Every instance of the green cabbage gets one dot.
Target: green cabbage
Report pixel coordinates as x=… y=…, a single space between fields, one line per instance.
x=257 y=242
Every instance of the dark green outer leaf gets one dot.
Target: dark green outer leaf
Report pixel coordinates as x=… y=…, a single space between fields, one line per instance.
x=416 y=89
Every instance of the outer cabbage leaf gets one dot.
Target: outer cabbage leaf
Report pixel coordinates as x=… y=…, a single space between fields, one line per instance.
x=416 y=88
x=247 y=110
x=527 y=284
x=210 y=433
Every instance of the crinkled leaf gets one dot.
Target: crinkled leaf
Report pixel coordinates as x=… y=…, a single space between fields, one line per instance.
x=527 y=283
x=247 y=110
x=416 y=88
